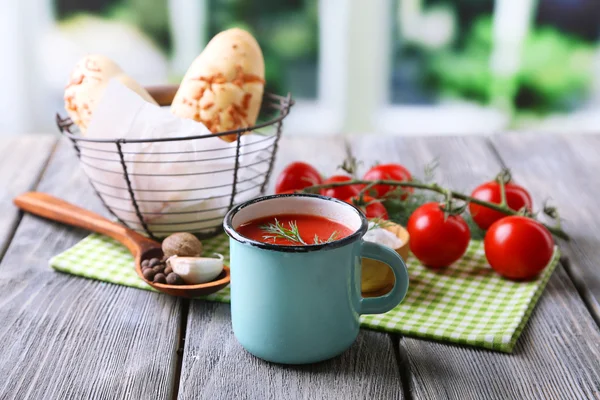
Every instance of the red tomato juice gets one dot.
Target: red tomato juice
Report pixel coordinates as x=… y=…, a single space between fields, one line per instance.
x=293 y=230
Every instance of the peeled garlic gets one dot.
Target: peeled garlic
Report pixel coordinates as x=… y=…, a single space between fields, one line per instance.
x=382 y=236
x=194 y=270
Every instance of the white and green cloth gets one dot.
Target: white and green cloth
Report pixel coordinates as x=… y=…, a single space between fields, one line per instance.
x=467 y=303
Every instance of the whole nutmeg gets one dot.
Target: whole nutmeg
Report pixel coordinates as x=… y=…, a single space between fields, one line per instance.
x=182 y=244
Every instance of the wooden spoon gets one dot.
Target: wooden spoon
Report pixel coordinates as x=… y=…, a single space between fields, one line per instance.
x=141 y=247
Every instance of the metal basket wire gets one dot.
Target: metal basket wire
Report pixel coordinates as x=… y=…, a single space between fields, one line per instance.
x=152 y=203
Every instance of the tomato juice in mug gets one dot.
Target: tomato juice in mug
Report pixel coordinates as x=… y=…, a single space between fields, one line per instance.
x=296 y=276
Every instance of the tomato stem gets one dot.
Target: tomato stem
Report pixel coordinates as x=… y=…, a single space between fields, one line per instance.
x=557 y=231
x=366 y=189
x=502 y=183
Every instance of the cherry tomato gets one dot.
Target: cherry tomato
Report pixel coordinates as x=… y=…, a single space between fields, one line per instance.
x=340 y=192
x=517 y=197
x=371 y=207
x=388 y=171
x=296 y=176
x=437 y=241
x=518 y=248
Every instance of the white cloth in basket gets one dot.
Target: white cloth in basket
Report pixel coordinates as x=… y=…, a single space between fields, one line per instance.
x=182 y=185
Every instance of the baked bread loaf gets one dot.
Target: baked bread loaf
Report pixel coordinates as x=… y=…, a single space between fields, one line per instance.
x=223 y=87
x=87 y=84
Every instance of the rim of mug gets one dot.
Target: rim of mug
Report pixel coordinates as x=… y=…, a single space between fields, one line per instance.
x=357 y=234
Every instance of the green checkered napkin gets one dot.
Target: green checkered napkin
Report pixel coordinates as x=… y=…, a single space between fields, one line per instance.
x=467 y=303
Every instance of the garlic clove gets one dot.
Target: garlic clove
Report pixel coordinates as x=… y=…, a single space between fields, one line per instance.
x=194 y=270
x=384 y=237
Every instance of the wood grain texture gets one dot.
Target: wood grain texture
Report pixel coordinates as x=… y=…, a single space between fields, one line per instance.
x=216 y=366
x=557 y=357
x=564 y=170
x=22 y=160
x=558 y=353
x=65 y=337
x=55 y=209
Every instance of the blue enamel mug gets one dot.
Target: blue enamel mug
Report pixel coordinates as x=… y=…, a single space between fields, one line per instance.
x=301 y=304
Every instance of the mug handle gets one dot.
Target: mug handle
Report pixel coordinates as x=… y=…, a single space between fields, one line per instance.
x=382 y=304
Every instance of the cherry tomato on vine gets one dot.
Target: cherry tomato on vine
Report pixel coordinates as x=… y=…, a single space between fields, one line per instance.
x=372 y=208
x=517 y=197
x=340 y=192
x=394 y=172
x=297 y=176
x=435 y=239
x=518 y=248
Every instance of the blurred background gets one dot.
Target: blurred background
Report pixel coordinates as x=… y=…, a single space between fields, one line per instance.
x=403 y=67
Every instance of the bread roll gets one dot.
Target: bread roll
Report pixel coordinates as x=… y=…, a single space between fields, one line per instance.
x=223 y=87
x=87 y=84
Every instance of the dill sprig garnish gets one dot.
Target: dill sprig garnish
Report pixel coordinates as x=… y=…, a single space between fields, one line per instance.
x=380 y=223
x=278 y=231
x=331 y=238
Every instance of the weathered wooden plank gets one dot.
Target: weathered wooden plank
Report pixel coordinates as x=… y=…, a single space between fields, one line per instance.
x=65 y=337
x=216 y=366
x=22 y=159
x=557 y=355
x=564 y=169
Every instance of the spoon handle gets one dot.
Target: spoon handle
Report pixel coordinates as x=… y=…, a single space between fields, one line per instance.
x=50 y=207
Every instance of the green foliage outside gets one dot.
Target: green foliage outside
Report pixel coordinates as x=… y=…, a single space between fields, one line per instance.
x=555 y=73
x=287 y=32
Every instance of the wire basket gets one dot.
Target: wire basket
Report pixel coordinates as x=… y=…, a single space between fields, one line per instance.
x=121 y=172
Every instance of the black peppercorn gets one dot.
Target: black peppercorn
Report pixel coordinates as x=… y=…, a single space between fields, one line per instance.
x=149 y=274
x=160 y=278
x=174 y=279
x=153 y=262
x=159 y=269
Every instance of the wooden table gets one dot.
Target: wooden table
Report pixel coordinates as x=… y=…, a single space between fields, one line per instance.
x=63 y=337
